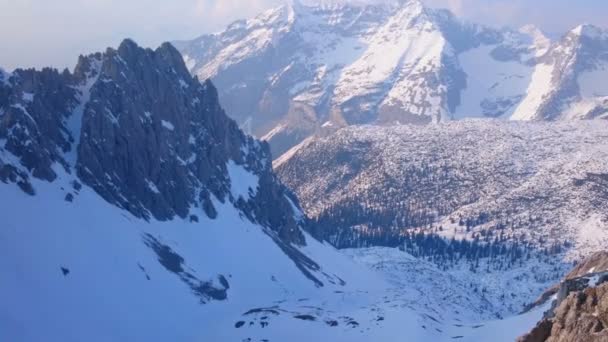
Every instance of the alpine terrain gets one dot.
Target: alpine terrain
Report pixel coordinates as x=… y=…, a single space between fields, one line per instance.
x=134 y=209
x=506 y=207
x=344 y=171
x=304 y=69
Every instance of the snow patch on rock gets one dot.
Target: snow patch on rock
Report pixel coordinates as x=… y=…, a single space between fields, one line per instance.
x=243 y=183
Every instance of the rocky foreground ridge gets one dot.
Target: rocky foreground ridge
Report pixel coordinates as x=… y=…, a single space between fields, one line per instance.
x=135 y=126
x=580 y=308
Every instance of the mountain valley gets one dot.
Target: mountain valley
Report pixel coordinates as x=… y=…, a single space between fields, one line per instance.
x=347 y=171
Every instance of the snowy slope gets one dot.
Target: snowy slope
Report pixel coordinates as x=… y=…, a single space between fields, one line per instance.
x=405 y=48
x=88 y=270
x=118 y=288
x=567 y=81
x=100 y=243
x=131 y=216
x=441 y=295
x=494 y=92
x=445 y=302
x=456 y=295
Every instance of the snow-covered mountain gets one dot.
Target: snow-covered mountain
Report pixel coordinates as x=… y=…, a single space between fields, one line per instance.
x=133 y=209
x=569 y=81
x=301 y=69
x=508 y=204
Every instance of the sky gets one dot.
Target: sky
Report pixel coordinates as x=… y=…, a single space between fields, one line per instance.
x=37 y=33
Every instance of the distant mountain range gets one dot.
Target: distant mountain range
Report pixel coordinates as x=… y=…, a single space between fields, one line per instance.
x=297 y=70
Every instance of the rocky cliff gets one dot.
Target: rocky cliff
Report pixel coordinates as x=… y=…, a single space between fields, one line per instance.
x=135 y=126
x=580 y=308
x=134 y=209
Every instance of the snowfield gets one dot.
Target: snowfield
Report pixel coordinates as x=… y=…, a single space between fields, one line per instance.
x=118 y=288
x=84 y=270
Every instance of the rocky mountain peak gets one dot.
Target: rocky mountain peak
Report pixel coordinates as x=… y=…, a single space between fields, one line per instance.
x=342 y=63
x=3 y=76
x=541 y=41
x=144 y=134
x=586 y=39
x=567 y=81
x=591 y=41
x=590 y=31
x=87 y=66
x=578 y=312
x=312 y=67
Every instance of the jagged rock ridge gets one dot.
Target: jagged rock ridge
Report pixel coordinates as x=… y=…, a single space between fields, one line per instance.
x=148 y=137
x=579 y=313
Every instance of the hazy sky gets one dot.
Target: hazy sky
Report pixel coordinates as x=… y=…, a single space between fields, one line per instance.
x=54 y=32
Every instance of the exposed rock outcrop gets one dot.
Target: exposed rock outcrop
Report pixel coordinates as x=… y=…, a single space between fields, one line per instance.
x=34 y=106
x=135 y=126
x=580 y=310
x=597 y=262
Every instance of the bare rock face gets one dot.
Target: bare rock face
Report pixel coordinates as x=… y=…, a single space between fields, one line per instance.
x=152 y=135
x=135 y=126
x=582 y=316
x=598 y=262
x=34 y=107
x=575 y=280
x=580 y=311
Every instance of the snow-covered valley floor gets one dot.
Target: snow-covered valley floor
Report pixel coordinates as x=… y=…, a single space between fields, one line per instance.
x=85 y=270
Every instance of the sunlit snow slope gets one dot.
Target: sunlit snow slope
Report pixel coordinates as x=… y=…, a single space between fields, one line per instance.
x=120 y=289
x=133 y=209
x=304 y=69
